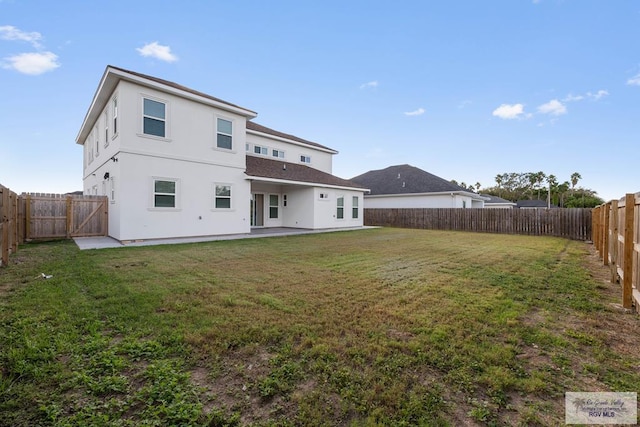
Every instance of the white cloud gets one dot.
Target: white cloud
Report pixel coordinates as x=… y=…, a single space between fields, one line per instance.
x=33 y=63
x=418 y=112
x=9 y=32
x=509 y=111
x=553 y=107
x=599 y=94
x=157 y=51
x=368 y=85
x=464 y=104
x=572 y=98
x=634 y=81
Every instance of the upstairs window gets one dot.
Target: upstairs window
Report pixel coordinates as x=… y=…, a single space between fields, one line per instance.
x=278 y=153
x=354 y=208
x=106 y=130
x=340 y=207
x=305 y=159
x=224 y=134
x=260 y=150
x=164 y=193
x=154 y=118
x=223 y=196
x=114 y=105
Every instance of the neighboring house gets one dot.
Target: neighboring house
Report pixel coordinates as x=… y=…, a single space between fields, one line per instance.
x=495 y=202
x=175 y=162
x=405 y=186
x=533 y=204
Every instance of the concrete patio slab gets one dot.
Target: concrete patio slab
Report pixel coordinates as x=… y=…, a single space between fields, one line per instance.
x=109 y=242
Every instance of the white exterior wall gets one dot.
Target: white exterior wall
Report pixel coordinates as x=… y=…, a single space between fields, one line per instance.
x=194 y=214
x=320 y=159
x=325 y=210
x=419 y=201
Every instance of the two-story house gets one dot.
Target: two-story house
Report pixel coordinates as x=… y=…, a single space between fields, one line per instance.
x=175 y=162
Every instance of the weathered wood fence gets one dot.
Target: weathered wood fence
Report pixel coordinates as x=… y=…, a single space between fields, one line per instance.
x=9 y=236
x=37 y=216
x=616 y=237
x=569 y=223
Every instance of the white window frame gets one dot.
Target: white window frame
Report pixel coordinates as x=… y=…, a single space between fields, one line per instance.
x=355 y=207
x=219 y=132
x=276 y=207
x=176 y=194
x=96 y=138
x=262 y=150
x=106 y=127
x=305 y=159
x=114 y=116
x=165 y=120
x=323 y=196
x=216 y=197
x=277 y=153
x=340 y=207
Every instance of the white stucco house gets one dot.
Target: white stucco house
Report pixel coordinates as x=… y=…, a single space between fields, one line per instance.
x=175 y=162
x=405 y=186
x=495 y=202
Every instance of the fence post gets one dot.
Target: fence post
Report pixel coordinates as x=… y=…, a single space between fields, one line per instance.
x=69 y=216
x=27 y=217
x=615 y=237
x=627 y=256
x=605 y=233
x=5 y=220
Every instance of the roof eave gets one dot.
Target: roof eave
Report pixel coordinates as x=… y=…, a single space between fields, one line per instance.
x=304 y=183
x=291 y=141
x=112 y=76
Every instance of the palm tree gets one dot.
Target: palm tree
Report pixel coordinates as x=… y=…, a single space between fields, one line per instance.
x=553 y=182
x=498 y=179
x=575 y=177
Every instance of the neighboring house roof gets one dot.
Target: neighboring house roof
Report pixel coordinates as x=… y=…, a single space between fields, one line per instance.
x=405 y=179
x=533 y=204
x=260 y=167
x=252 y=126
x=496 y=200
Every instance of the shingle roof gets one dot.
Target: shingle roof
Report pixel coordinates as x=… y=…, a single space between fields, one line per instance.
x=495 y=199
x=404 y=179
x=533 y=204
x=179 y=87
x=259 y=128
x=278 y=169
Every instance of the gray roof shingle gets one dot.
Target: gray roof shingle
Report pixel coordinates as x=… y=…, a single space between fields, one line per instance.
x=404 y=179
x=277 y=169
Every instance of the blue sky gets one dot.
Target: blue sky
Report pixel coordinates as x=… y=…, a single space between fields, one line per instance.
x=463 y=89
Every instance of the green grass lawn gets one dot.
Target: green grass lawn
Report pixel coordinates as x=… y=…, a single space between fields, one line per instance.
x=371 y=327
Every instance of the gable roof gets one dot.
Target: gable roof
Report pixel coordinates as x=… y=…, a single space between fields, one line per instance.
x=177 y=86
x=405 y=179
x=533 y=204
x=113 y=75
x=496 y=199
x=261 y=167
x=255 y=127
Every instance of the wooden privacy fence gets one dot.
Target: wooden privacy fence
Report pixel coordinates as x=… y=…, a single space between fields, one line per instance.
x=616 y=237
x=9 y=236
x=569 y=223
x=36 y=216
x=59 y=216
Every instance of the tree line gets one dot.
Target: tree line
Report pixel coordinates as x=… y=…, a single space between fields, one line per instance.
x=514 y=186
